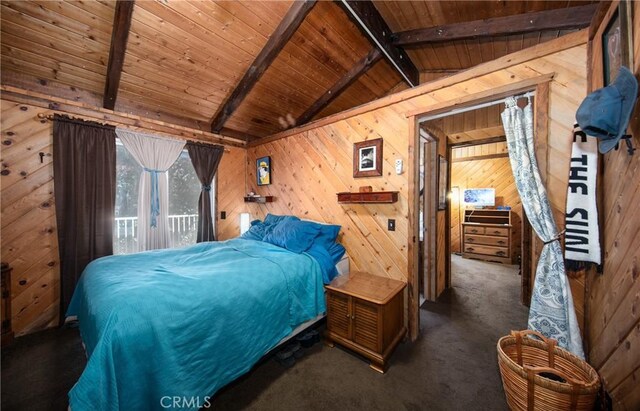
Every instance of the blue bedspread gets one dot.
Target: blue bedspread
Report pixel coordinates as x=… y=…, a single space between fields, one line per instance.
x=185 y=322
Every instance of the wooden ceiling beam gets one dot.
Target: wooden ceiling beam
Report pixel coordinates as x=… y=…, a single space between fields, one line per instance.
x=341 y=85
x=369 y=20
x=285 y=30
x=119 y=36
x=478 y=142
x=556 y=19
x=241 y=135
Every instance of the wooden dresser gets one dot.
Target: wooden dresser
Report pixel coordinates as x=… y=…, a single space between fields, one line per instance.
x=487 y=235
x=365 y=313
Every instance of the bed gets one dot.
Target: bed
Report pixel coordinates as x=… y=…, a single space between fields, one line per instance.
x=182 y=323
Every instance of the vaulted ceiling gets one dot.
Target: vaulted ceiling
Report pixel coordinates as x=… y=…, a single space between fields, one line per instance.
x=251 y=69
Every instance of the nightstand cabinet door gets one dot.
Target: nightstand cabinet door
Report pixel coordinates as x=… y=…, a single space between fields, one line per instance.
x=338 y=314
x=366 y=327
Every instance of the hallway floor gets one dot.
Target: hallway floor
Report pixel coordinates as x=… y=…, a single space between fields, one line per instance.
x=452 y=366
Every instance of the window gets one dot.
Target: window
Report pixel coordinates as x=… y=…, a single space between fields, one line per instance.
x=184 y=190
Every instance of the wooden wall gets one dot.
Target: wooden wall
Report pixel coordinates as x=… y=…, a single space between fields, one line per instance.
x=231 y=190
x=29 y=237
x=308 y=169
x=312 y=163
x=614 y=298
x=471 y=168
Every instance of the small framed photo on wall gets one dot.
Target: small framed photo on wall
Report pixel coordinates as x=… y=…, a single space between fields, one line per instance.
x=263 y=170
x=367 y=158
x=617 y=42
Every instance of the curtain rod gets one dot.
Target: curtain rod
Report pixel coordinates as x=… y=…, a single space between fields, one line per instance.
x=474 y=107
x=74 y=120
x=93 y=123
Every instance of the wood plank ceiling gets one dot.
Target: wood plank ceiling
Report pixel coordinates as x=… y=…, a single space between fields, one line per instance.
x=182 y=61
x=478 y=126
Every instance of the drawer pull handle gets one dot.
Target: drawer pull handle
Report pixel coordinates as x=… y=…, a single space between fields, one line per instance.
x=474 y=231
x=500 y=253
x=496 y=232
x=469 y=249
x=501 y=242
x=470 y=240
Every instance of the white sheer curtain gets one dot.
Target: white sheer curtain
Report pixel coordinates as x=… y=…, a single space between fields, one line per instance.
x=155 y=155
x=551 y=311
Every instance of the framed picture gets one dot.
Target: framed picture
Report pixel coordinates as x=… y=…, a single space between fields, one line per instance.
x=263 y=171
x=617 y=44
x=367 y=158
x=442 y=182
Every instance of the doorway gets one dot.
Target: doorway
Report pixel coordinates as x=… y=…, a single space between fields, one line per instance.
x=440 y=277
x=484 y=208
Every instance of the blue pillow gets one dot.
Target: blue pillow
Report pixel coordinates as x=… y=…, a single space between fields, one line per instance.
x=329 y=270
x=272 y=219
x=336 y=251
x=327 y=236
x=292 y=234
x=257 y=231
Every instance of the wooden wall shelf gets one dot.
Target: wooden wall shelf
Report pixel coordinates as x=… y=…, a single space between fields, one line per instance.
x=261 y=199
x=371 y=197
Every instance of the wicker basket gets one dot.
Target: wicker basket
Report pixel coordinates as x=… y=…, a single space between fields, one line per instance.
x=523 y=359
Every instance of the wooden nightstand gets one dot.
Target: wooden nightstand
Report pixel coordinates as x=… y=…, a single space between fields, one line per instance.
x=366 y=314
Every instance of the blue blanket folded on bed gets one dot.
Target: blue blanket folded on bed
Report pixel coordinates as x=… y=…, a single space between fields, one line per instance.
x=185 y=322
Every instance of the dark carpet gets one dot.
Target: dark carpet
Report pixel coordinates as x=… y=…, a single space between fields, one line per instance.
x=452 y=366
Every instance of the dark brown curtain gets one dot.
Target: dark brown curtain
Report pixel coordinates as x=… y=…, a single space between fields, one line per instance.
x=84 y=175
x=205 y=159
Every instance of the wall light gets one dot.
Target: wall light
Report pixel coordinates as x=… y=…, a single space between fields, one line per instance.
x=245 y=222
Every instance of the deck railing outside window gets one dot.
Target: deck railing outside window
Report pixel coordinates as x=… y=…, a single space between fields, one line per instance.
x=182 y=228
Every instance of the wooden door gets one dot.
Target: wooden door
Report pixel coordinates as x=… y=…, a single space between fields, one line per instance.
x=365 y=324
x=430 y=220
x=338 y=314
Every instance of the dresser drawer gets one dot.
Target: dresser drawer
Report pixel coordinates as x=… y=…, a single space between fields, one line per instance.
x=502 y=232
x=486 y=250
x=470 y=239
x=473 y=230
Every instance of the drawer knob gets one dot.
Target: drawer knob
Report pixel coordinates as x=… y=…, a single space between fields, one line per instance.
x=353 y=317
